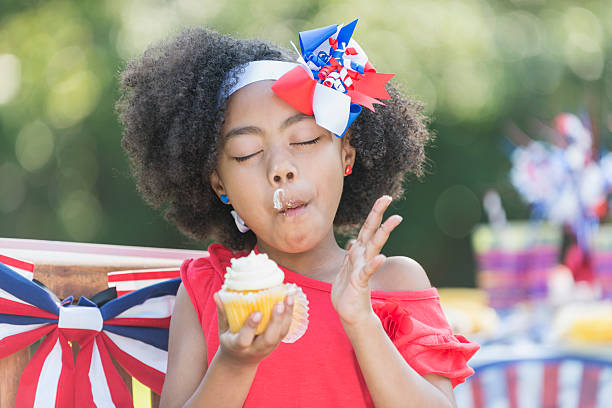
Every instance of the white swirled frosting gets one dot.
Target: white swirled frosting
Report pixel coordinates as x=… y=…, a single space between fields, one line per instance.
x=253 y=272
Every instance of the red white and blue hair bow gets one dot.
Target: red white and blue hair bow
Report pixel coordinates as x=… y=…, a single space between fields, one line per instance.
x=332 y=81
x=133 y=329
x=337 y=81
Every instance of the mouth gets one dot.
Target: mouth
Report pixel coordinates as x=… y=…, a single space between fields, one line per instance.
x=292 y=208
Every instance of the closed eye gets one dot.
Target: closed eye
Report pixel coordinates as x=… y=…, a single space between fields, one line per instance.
x=243 y=158
x=309 y=142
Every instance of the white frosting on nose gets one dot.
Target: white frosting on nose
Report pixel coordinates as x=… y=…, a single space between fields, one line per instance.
x=253 y=272
x=80 y=317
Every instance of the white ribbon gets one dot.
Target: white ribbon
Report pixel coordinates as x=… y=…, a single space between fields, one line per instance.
x=80 y=317
x=331 y=109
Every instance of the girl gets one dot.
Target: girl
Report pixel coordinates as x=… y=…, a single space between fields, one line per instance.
x=211 y=125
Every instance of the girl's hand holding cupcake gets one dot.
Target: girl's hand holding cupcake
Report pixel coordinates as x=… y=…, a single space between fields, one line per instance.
x=255 y=309
x=245 y=347
x=350 y=293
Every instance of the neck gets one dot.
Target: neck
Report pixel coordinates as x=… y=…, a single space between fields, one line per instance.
x=321 y=262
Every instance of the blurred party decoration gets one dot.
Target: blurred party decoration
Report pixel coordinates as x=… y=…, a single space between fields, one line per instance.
x=566 y=184
x=585 y=323
x=552 y=345
x=537 y=378
x=468 y=312
x=602 y=260
x=515 y=260
x=494 y=209
x=132 y=329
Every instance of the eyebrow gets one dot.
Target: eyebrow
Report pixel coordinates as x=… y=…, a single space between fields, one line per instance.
x=255 y=130
x=243 y=131
x=294 y=119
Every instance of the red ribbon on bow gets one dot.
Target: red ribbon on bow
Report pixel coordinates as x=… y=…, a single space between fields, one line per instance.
x=296 y=87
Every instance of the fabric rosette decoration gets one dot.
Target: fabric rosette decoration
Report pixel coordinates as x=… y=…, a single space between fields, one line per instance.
x=334 y=78
x=395 y=318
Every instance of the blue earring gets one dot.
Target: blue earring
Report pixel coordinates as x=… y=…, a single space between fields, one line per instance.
x=224 y=198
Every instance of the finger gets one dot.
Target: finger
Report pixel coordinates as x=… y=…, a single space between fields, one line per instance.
x=356 y=257
x=221 y=316
x=349 y=244
x=375 y=245
x=366 y=273
x=248 y=329
x=273 y=332
x=345 y=267
x=374 y=218
x=288 y=315
x=341 y=275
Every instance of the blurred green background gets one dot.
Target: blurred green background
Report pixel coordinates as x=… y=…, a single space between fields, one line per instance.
x=477 y=66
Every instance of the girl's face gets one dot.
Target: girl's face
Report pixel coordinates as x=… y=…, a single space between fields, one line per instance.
x=266 y=145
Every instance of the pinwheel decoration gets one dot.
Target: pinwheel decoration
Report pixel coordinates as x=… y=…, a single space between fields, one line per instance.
x=133 y=329
x=334 y=78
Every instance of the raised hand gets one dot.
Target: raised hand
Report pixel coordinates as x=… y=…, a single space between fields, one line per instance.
x=247 y=348
x=351 y=289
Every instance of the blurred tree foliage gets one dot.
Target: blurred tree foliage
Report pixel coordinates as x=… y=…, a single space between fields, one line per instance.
x=476 y=65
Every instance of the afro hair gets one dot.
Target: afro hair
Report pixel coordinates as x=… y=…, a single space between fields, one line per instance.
x=172 y=112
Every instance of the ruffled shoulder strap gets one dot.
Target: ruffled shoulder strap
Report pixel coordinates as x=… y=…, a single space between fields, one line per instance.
x=199 y=279
x=220 y=258
x=202 y=277
x=421 y=333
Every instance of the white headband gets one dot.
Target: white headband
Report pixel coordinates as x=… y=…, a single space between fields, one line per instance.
x=256 y=71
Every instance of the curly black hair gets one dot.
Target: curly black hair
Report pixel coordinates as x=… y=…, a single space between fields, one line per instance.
x=172 y=113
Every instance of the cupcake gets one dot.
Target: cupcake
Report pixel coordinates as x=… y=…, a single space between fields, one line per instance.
x=255 y=284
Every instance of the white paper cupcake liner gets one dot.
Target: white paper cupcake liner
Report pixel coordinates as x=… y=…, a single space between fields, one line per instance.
x=299 y=324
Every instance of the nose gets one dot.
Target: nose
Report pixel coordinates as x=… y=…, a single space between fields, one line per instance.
x=281 y=169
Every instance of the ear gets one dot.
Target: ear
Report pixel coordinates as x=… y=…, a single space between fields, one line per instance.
x=348 y=151
x=216 y=183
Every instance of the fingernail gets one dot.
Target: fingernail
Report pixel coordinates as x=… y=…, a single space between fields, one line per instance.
x=280 y=308
x=256 y=317
x=289 y=300
x=384 y=200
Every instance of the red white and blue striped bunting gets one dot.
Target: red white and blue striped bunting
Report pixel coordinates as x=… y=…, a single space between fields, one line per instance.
x=24 y=268
x=563 y=382
x=133 y=329
x=129 y=281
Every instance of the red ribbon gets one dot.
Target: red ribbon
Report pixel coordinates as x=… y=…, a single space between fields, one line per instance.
x=296 y=87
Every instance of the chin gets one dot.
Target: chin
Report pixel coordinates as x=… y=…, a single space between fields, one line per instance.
x=297 y=242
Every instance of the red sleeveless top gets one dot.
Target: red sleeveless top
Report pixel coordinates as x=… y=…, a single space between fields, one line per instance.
x=320 y=369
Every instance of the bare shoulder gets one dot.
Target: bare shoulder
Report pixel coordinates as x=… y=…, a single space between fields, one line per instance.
x=400 y=273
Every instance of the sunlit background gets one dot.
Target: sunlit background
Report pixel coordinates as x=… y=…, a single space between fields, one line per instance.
x=476 y=65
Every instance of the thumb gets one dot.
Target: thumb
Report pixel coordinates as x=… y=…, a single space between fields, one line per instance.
x=221 y=316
